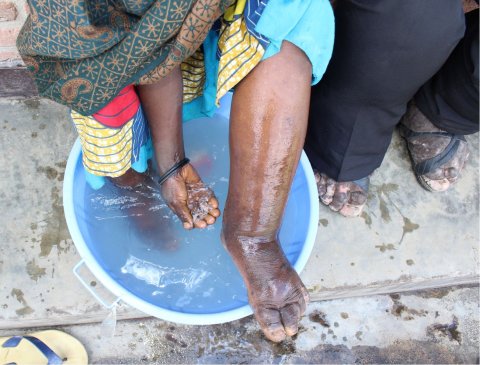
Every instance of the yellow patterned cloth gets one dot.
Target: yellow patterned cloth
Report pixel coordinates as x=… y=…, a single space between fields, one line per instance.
x=106 y=151
x=240 y=51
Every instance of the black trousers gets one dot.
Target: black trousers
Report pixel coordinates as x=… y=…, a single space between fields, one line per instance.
x=385 y=54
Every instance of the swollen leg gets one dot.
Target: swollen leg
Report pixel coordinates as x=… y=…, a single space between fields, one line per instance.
x=267 y=131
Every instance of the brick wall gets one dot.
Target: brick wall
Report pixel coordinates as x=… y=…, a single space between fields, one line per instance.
x=12 y=16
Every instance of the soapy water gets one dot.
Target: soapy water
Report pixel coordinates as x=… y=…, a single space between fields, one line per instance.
x=143 y=246
x=146 y=248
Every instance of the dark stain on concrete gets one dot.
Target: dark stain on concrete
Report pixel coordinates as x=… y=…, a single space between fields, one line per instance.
x=171 y=338
x=385 y=190
x=34 y=134
x=410 y=262
x=24 y=311
x=402 y=311
x=408 y=227
x=344 y=315
x=18 y=294
x=449 y=330
x=366 y=217
x=386 y=247
x=324 y=222
x=34 y=271
x=42 y=126
x=32 y=103
x=358 y=335
x=319 y=317
x=56 y=230
x=49 y=172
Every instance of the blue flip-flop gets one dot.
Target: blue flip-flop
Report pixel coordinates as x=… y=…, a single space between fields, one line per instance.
x=49 y=347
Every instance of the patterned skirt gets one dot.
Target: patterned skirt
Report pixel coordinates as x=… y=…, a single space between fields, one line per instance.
x=89 y=54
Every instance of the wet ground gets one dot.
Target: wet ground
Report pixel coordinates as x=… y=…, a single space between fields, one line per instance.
x=407 y=239
x=434 y=326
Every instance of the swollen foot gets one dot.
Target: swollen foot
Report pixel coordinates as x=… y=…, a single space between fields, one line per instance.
x=437 y=156
x=188 y=197
x=276 y=293
x=347 y=198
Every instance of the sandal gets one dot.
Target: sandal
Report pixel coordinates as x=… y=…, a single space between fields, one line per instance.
x=50 y=347
x=424 y=166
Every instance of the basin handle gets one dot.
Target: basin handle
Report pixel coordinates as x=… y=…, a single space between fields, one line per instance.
x=90 y=288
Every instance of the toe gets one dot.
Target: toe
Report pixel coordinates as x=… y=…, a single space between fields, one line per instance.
x=339 y=200
x=451 y=173
x=290 y=318
x=437 y=185
x=331 y=186
x=271 y=324
x=349 y=210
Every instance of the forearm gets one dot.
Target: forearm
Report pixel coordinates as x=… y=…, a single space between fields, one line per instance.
x=162 y=104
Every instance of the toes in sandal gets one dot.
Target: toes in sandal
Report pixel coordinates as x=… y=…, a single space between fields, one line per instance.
x=429 y=165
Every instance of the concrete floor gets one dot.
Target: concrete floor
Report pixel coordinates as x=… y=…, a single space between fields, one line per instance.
x=407 y=239
x=434 y=326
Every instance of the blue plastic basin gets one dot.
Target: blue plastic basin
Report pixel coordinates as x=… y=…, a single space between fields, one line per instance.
x=177 y=275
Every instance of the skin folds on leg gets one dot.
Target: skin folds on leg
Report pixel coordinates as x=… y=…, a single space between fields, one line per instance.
x=267 y=132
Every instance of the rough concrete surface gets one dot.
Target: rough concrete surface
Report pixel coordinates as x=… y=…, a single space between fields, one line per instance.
x=407 y=239
x=435 y=326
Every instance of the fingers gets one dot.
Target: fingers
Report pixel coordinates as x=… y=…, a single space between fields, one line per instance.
x=213 y=202
x=183 y=213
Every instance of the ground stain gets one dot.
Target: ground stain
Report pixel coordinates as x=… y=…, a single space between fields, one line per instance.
x=449 y=330
x=23 y=311
x=324 y=222
x=49 y=172
x=386 y=247
x=408 y=227
x=385 y=190
x=18 y=294
x=410 y=262
x=319 y=317
x=171 y=338
x=344 y=315
x=56 y=230
x=34 y=271
x=402 y=311
x=358 y=335
x=366 y=217
x=32 y=103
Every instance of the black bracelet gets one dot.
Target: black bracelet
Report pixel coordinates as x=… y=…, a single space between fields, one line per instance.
x=172 y=170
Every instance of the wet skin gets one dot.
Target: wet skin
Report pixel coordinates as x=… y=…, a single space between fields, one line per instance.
x=267 y=132
x=184 y=192
x=267 y=129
